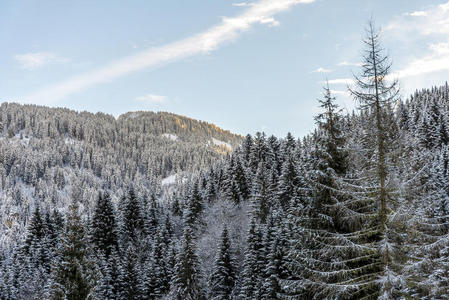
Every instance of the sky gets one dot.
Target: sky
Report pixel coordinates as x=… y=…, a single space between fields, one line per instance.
x=245 y=66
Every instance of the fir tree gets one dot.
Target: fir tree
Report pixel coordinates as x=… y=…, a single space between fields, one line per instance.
x=223 y=276
x=251 y=282
x=132 y=221
x=129 y=275
x=195 y=201
x=103 y=226
x=71 y=277
x=261 y=193
x=185 y=283
x=35 y=229
x=377 y=95
x=288 y=182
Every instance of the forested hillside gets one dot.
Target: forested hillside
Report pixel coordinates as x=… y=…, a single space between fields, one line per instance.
x=358 y=209
x=50 y=155
x=279 y=218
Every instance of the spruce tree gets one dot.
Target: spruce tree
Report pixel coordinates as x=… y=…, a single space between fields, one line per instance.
x=260 y=193
x=223 y=276
x=185 y=283
x=71 y=277
x=288 y=182
x=195 y=201
x=129 y=275
x=377 y=95
x=332 y=252
x=251 y=275
x=156 y=274
x=103 y=226
x=132 y=221
x=35 y=230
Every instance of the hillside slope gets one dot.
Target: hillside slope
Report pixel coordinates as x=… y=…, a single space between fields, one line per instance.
x=54 y=154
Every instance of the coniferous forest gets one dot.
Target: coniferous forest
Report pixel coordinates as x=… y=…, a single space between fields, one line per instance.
x=159 y=206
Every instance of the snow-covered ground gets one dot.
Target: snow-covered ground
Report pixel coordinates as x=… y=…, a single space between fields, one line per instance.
x=133 y=115
x=170 y=136
x=69 y=141
x=221 y=143
x=25 y=140
x=169 y=180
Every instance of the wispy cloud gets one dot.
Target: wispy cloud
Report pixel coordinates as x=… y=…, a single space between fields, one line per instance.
x=433 y=21
x=152 y=99
x=338 y=92
x=344 y=81
x=346 y=63
x=38 y=59
x=437 y=60
x=229 y=29
x=419 y=13
x=242 y=4
x=322 y=70
x=433 y=26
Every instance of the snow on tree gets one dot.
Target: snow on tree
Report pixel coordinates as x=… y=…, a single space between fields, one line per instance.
x=223 y=276
x=185 y=283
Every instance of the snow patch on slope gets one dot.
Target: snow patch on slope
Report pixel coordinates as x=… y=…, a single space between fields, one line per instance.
x=169 y=180
x=21 y=137
x=69 y=141
x=133 y=115
x=170 y=136
x=221 y=143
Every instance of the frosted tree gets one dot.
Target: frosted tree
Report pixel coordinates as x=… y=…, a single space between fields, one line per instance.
x=103 y=226
x=185 y=284
x=223 y=276
x=132 y=220
x=252 y=273
x=261 y=197
x=71 y=278
x=377 y=95
x=129 y=275
x=427 y=268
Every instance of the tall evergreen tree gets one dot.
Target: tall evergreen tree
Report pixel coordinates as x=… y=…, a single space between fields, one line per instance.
x=377 y=95
x=35 y=230
x=185 y=283
x=129 y=275
x=288 y=182
x=132 y=221
x=223 y=276
x=195 y=201
x=103 y=226
x=71 y=277
x=252 y=275
x=261 y=197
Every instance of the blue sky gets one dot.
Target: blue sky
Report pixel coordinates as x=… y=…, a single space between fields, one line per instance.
x=245 y=66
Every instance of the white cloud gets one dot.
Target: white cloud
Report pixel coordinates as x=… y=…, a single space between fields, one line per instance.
x=437 y=60
x=433 y=21
x=152 y=99
x=242 y=4
x=444 y=7
x=338 y=92
x=269 y=21
x=419 y=13
x=345 y=81
x=229 y=29
x=322 y=70
x=346 y=63
x=38 y=59
x=433 y=26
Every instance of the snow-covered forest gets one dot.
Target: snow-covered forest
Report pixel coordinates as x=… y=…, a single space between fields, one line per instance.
x=158 y=206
